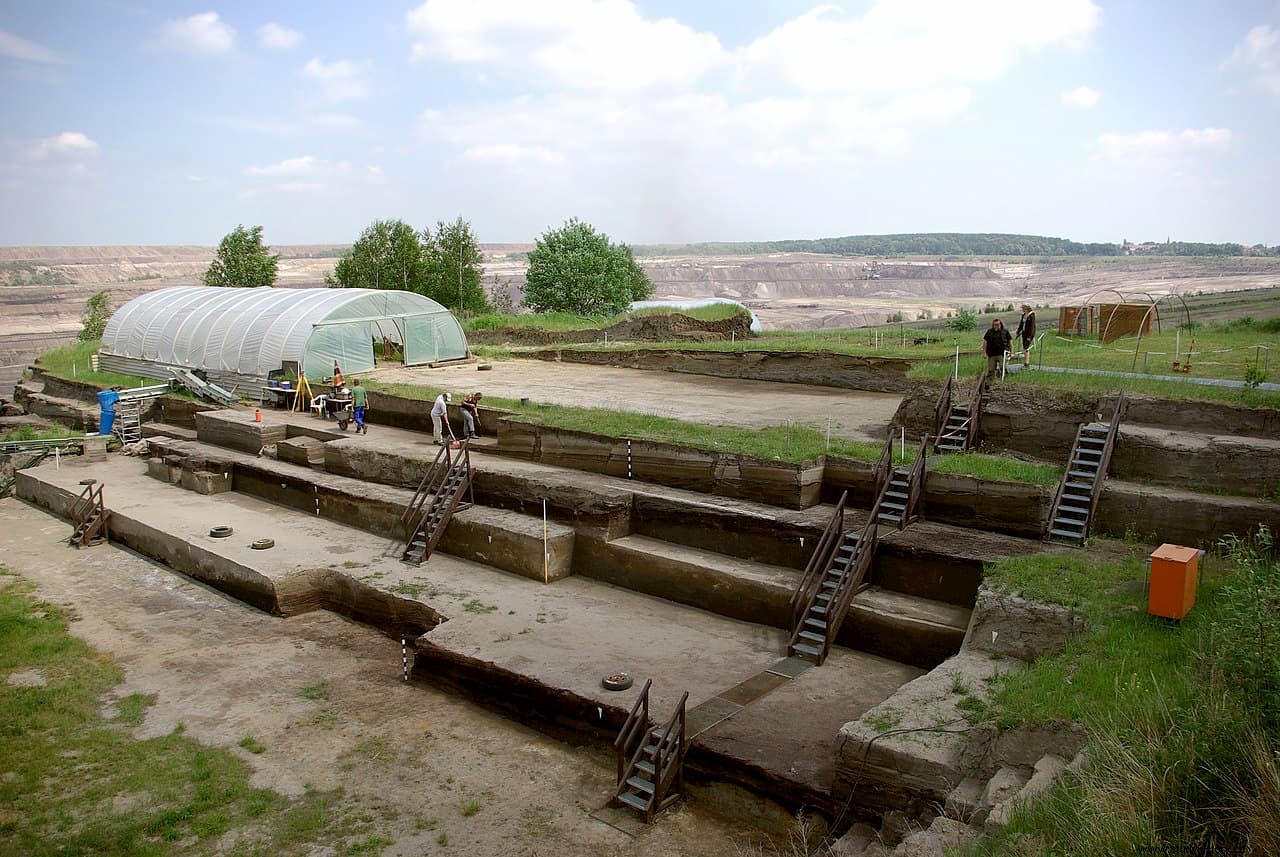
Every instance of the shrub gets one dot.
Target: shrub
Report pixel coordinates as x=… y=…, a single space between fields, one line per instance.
x=964 y=320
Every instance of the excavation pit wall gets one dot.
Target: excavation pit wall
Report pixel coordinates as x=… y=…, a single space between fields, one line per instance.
x=823 y=368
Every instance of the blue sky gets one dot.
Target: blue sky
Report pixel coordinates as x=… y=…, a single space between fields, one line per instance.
x=169 y=123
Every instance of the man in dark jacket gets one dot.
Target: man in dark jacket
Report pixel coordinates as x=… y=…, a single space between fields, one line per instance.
x=1026 y=331
x=995 y=342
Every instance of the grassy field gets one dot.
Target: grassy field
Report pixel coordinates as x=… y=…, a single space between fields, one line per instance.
x=77 y=783
x=1182 y=717
x=997 y=468
x=564 y=321
x=71 y=362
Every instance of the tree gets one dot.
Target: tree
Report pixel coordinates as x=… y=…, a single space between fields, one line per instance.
x=97 y=311
x=576 y=269
x=242 y=260
x=457 y=264
x=389 y=254
x=964 y=320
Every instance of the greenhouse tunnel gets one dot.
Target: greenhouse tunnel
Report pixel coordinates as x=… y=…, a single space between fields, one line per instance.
x=240 y=335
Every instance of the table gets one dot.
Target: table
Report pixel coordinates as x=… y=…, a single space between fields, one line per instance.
x=278 y=397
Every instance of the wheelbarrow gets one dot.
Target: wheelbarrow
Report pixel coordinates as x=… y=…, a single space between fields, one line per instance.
x=339 y=408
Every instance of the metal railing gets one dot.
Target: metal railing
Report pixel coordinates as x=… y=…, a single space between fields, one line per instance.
x=915 y=481
x=1105 y=463
x=975 y=409
x=942 y=408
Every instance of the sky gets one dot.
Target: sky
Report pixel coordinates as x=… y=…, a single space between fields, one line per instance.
x=657 y=122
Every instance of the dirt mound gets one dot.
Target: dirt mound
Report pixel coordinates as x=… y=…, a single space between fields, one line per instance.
x=649 y=327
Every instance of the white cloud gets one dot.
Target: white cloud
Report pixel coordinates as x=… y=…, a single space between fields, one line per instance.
x=278 y=36
x=1081 y=96
x=200 y=35
x=1259 y=55
x=21 y=49
x=513 y=155
x=305 y=166
x=581 y=44
x=1160 y=147
x=68 y=144
x=911 y=44
x=341 y=80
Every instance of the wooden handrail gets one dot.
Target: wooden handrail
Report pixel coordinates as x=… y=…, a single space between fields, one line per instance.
x=915 y=480
x=851 y=580
x=429 y=485
x=1105 y=462
x=975 y=409
x=819 y=562
x=670 y=750
x=942 y=408
x=637 y=723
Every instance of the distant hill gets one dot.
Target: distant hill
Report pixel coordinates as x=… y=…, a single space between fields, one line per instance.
x=945 y=244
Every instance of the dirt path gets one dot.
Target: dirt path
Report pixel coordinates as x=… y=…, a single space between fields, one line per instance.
x=410 y=755
x=696 y=398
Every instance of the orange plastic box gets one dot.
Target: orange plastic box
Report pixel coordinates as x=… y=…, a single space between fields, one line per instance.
x=1175 y=571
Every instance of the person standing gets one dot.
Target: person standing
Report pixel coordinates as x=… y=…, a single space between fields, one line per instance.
x=471 y=414
x=995 y=342
x=359 y=402
x=1026 y=332
x=439 y=415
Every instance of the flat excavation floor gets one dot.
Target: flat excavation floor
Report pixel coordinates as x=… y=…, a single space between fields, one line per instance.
x=564 y=636
x=696 y=398
x=406 y=754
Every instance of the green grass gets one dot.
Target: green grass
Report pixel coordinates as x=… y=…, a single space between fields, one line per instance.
x=252 y=744
x=553 y=322
x=76 y=784
x=30 y=433
x=1180 y=754
x=71 y=363
x=319 y=690
x=470 y=808
x=997 y=468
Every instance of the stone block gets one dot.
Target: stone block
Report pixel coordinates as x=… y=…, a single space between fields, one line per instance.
x=306 y=451
x=206 y=482
x=944 y=836
x=965 y=801
x=1016 y=627
x=159 y=468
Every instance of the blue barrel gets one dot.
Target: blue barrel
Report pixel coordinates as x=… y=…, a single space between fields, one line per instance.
x=107 y=410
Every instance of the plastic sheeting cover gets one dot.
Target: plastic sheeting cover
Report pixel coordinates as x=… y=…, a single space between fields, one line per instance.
x=251 y=331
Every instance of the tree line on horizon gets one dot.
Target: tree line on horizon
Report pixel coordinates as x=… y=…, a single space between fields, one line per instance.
x=952 y=244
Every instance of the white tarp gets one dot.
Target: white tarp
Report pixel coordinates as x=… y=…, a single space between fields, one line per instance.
x=251 y=331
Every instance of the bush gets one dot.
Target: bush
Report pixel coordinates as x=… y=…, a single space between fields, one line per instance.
x=97 y=312
x=1251 y=604
x=963 y=321
x=576 y=269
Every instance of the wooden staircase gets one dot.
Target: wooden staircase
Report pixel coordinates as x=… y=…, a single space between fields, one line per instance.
x=1082 y=483
x=439 y=495
x=835 y=574
x=650 y=760
x=956 y=425
x=903 y=486
x=89 y=517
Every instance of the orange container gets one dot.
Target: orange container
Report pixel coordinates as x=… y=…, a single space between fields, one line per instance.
x=1175 y=571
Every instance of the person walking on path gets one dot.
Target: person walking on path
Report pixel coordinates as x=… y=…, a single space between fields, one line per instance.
x=471 y=414
x=359 y=402
x=1027 y=331
x=995 y=342
x=439 y=414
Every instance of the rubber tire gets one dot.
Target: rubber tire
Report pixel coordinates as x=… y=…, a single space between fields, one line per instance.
x=263 y=544
x=342 y=424
x=609 y=684
x=220 y=532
